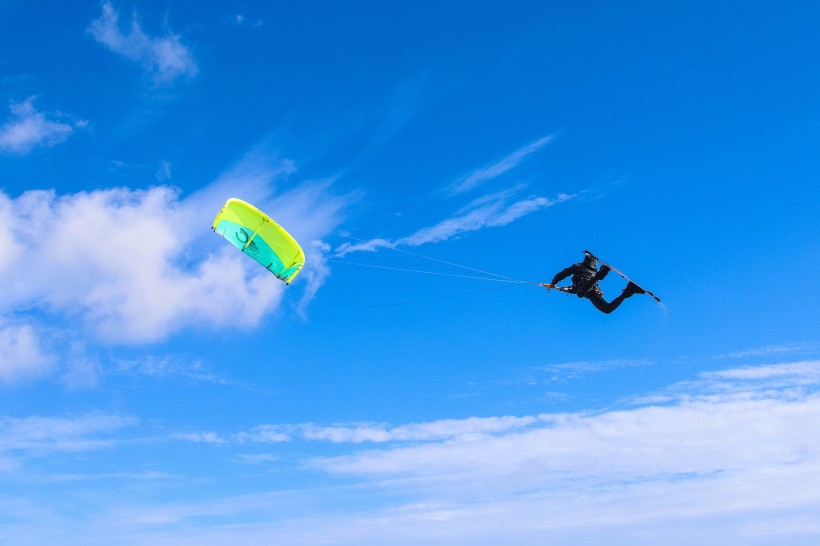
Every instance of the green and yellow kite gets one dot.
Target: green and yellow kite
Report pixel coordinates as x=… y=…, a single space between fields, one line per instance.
x=257 y=235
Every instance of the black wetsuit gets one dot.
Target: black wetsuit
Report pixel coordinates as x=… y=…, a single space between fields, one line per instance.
x=585 y=277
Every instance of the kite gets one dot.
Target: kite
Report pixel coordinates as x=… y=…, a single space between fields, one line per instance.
x=257 y=235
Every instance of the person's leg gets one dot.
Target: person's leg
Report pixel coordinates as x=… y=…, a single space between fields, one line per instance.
x=597 y=299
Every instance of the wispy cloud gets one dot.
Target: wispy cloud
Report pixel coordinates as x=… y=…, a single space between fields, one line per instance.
x=358 y=433
x=200 y=437
x=480 y=176
x=446 y=429
x=774 y=350
x=163 y=171
x=746 y=381
x=490 y=211
x=39 y=436
x=163 y=367
x=164 y=58
x=309 y=210
x=242 y=20
x=27 y=128
x=808 y=371
x=572 y=370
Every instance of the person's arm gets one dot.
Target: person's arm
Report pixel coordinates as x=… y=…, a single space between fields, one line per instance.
x=561 y=275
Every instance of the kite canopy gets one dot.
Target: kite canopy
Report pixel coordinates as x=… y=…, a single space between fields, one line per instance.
x=257 y=235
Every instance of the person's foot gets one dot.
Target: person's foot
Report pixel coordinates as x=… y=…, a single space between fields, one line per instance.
x=632 y=289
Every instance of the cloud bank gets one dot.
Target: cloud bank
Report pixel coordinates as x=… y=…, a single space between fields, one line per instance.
x=729 y=457
x=116 y=259
x=135 y=266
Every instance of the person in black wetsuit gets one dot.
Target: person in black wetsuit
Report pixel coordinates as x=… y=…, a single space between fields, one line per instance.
x=585 y=277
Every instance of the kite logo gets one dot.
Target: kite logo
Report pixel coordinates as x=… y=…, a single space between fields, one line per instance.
x=243 y=237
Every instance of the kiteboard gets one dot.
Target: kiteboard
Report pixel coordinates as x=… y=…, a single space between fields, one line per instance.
x=599 y=260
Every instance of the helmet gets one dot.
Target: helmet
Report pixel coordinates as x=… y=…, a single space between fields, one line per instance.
x=590 y=262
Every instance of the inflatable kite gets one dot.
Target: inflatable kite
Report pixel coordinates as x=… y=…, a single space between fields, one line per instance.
x=257 y=235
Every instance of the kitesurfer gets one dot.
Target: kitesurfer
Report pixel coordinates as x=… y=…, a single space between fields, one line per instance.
x=585 y=277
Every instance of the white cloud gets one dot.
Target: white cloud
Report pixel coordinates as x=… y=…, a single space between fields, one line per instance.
x=135 y=265
x=80 y=370
x=742 y=382
x=770 y=350
x=720 y=424
x=445 y=429
x=163 y=171
x=201 y=437
x=114 y=257
x=725 y=421
x=38 y=436
x=808 y=372
x=699 y=437
x=241 y=20
x=21 y=354
x=729 y=459
x=485 y=174
x=28 y=128
x=488 y=211
x=164 y=58
x=572 y=370
x=493 y=210
x=151 y=366
x=438 y=430
x=266 y=434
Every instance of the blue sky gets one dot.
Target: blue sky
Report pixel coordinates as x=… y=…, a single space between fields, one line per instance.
x=157 y=387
